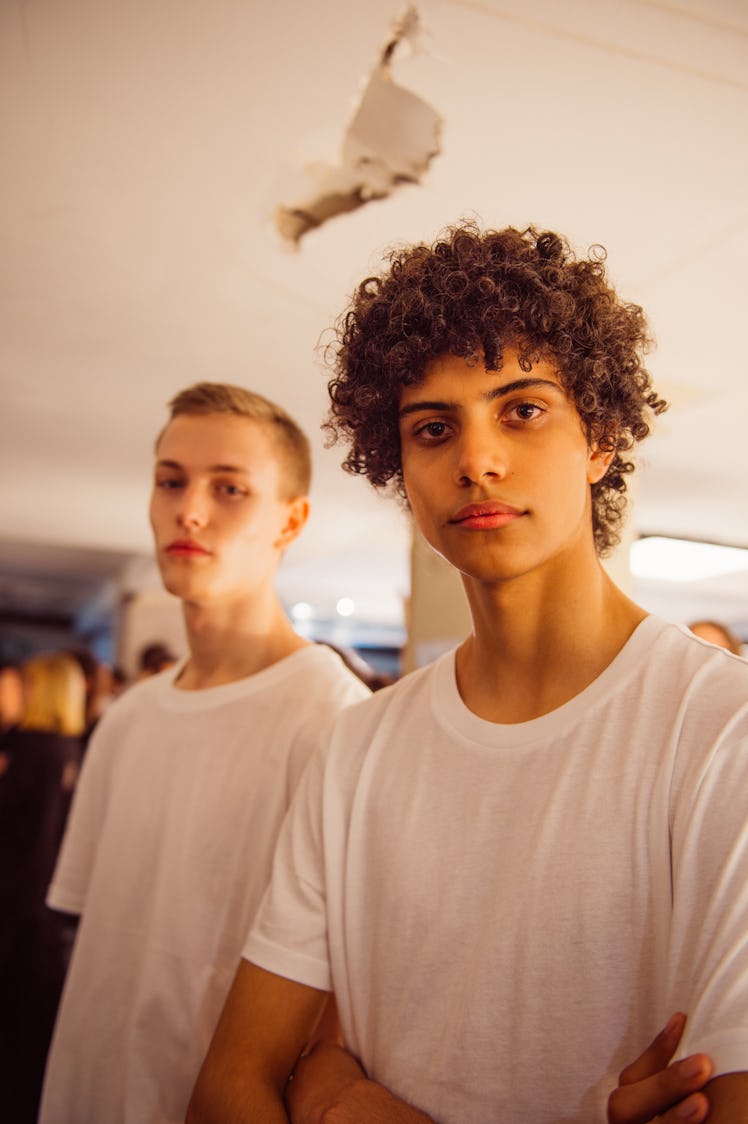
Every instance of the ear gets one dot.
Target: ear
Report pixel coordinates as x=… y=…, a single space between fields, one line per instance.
x=598 y=462
x=297 y=513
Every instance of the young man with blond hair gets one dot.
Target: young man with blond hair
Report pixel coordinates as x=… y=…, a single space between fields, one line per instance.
x=189 y=774
x=513 y=865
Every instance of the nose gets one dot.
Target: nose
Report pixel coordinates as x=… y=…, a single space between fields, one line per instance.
x=192 y=512
x=481 y=455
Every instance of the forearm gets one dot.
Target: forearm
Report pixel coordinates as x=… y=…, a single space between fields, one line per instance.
x=226 y=1104
x=365 y=1102
x=329 y=1086
x=263 y=1027
x=728 y=1098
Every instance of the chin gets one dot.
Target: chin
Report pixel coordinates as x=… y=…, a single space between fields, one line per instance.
x=488 y=571
x=486 y=564
x=182 y=586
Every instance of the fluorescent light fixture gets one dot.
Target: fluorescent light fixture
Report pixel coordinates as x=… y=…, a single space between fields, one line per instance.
x=681 y=560
x=346 y=607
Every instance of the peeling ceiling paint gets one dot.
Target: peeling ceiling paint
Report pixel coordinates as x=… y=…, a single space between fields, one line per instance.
x=391 y=139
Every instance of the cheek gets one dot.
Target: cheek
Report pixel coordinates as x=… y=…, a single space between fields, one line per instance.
x=153 y=511
x=249 y=530
x=415 y=507
x=565 y=484
x=420 y=480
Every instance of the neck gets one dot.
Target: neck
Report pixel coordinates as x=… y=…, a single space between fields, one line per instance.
x=231 y=641
x=540 y=640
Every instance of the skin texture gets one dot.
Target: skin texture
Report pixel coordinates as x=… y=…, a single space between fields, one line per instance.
x=649 y=1085
x=219 y=491
x=264 y=1026
x=467 y=436
x=218 y=482
x=547 y=619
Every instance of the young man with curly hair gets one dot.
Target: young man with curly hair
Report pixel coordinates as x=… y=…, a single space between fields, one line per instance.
x=511 y=866
x=189 y=774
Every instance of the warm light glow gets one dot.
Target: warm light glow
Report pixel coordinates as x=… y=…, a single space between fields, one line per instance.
x=679 y=560
x=346 y=607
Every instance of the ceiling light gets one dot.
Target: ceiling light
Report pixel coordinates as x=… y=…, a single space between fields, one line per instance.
x=681 y=560
x=346 y=607
x=302 y=611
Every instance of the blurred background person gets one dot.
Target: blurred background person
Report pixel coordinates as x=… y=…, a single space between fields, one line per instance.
x=101 y=688
x=155 y=658
x=11 y=698
x=719 y=634
x=119 y=680
x=42 y=756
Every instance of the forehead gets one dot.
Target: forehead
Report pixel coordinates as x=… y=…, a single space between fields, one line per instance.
x=212 y=440
x=454 y=379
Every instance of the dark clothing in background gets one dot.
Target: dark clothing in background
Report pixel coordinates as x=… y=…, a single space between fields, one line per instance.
x=37 y=776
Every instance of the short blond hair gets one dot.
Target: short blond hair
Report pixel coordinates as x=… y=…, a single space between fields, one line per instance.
x=224 y=398
x=55 y=694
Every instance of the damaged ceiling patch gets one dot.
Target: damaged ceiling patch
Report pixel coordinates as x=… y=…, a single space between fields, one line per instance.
x=391 y=139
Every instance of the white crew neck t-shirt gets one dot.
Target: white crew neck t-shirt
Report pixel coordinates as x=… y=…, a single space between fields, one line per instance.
x=509 y=913
x=167 y=852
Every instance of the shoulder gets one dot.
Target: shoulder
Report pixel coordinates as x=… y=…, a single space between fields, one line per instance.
x=367 y=737
x=670 y=656
x=707 y=678
x=698 y=704
x=385 y=709
x=323 y=680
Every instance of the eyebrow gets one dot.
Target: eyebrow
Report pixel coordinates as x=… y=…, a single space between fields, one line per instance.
x=162 y=463
x=489 y=396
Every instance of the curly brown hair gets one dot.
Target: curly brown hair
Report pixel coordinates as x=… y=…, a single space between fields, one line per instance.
x=473 y=293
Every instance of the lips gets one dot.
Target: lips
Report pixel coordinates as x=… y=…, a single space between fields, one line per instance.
x=186 y=548
x=485 y=516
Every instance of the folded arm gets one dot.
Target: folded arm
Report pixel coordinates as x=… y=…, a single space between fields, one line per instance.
x=265 y=1024
x=268 y=1020
x=330 y=1087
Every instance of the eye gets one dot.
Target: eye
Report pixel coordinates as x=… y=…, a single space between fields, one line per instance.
x=431 y=430
x=524 y=411
x=169 y=483
x=226 y=488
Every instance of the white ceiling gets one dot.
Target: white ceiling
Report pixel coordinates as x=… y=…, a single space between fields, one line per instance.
x=147 y=145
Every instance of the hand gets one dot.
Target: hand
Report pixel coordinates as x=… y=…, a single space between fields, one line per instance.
x=318 y=1080
x=650 y=1086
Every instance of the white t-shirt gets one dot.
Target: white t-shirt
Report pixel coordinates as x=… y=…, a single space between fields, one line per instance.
x=509 y=913
x=167 y=852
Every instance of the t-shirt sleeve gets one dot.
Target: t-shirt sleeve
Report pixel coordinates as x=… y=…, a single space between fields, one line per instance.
x=708 y=948
x=75 y=861
x=289 y=935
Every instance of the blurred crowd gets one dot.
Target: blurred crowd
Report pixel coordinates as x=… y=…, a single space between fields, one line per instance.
x=49 y=706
